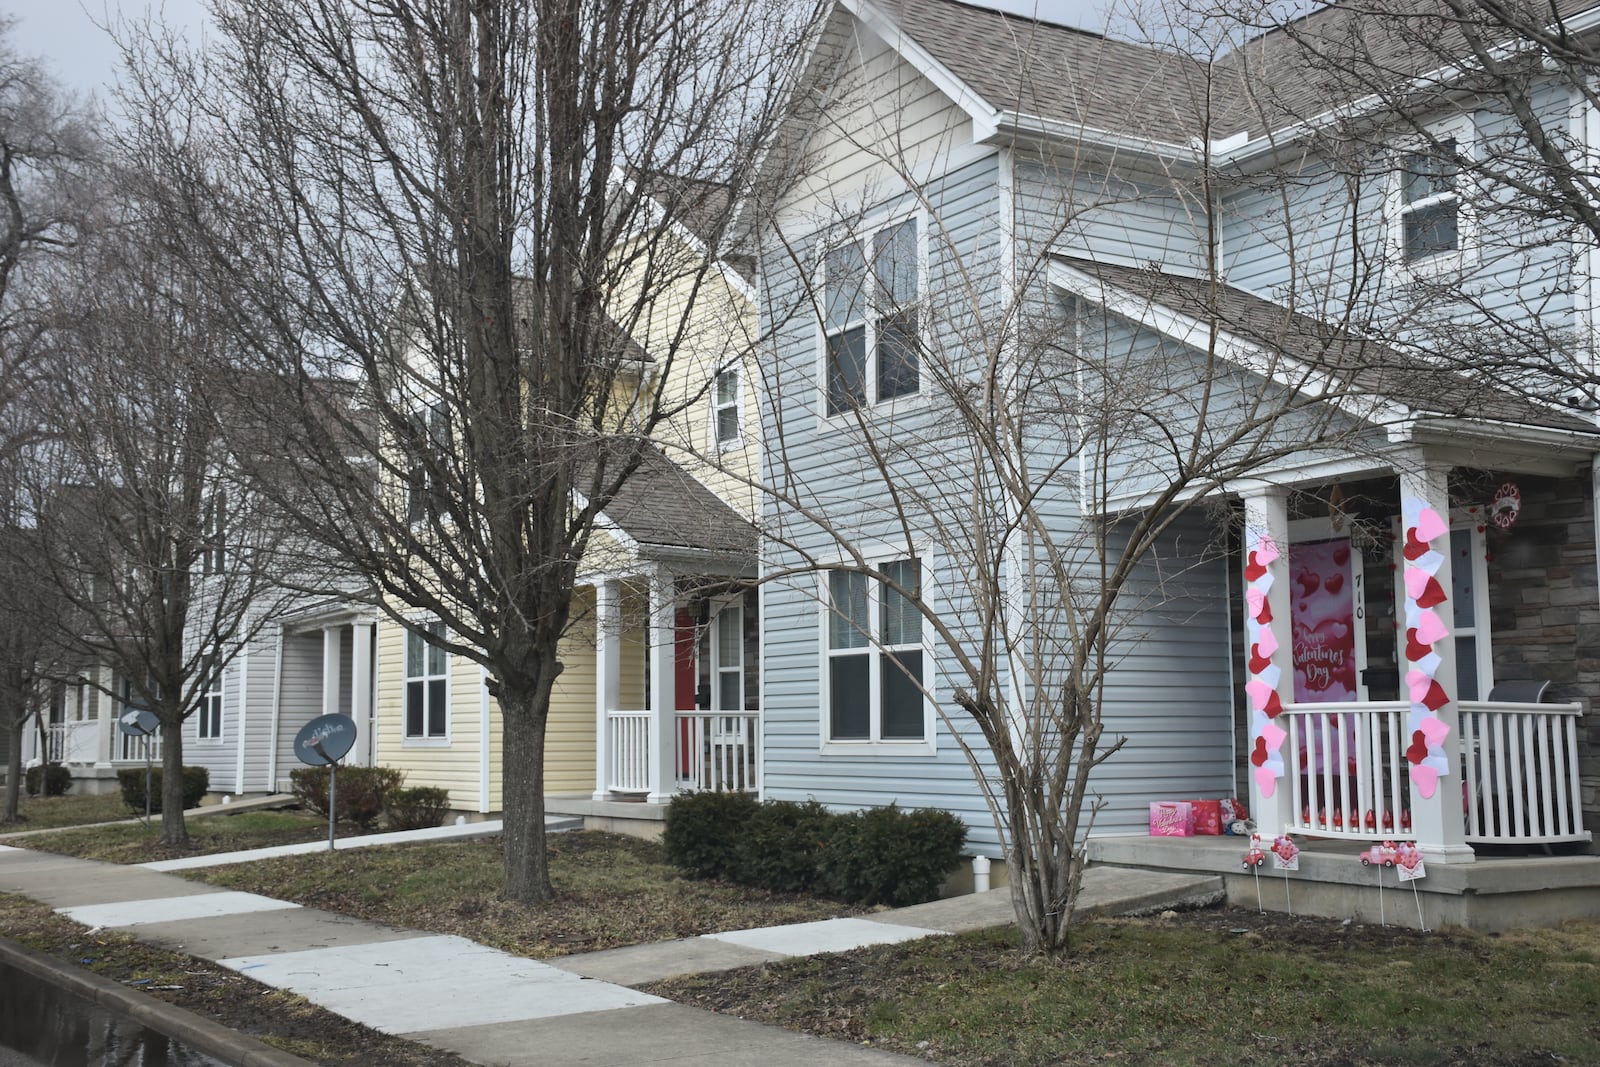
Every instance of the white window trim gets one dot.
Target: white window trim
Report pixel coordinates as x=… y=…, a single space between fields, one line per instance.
x=737 y=404
x=423 y=740
x=1463 y=131
x=200 y=736
x=862 y=234
x=875 y=745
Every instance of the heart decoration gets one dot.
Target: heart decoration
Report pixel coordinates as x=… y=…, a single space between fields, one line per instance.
x=1434 y=731
x=1273 y=735
x=1266 y=642
x=1257 y=600
x=1418 y=688
x=1341 y=553
x=1258 y=755
x=1415 y=649
x=1430 y=527
x=1253 y=568
x=1432 y=595
x=1414 y=549
x=1266 y=613
x=1266 y=780
x=1426 y=780
x=1274 y=706
x=1430 y=628
x=1417 y=751
x=1429 y=561
x=1271 y=676
x=1416 y=581
x=1258 y=662
x=1258 y=692
x=1333 y=583
x=1435 y=699
x=1439 y=763
x=1266 y=549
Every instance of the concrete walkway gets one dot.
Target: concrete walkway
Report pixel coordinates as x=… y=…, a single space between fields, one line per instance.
x=495 y=1008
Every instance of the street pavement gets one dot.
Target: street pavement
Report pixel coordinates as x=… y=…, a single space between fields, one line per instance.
x=495 y=1008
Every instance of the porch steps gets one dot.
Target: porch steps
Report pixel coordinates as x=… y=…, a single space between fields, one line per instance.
x=1492 y=893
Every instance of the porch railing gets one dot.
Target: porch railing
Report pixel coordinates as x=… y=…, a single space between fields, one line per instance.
x=714 y=751
x=72 y=742
x=1348 y=775
x=126 y=749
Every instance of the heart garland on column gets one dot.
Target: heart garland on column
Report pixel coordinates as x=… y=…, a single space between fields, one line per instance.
x=1426 y=601
x=1266 y=756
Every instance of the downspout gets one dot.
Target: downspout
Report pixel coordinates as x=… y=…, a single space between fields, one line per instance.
x=277 y=710
x=483 y=740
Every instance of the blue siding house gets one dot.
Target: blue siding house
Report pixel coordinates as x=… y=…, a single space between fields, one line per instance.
x=1046 y=313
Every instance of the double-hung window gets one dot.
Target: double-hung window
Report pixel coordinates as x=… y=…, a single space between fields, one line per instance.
x=872 y=295
x=430 y=438
x=427 y=699
x=213 y=534
x=209 y=716
x=725 y=409
x=876 y=660
x=1430 y=226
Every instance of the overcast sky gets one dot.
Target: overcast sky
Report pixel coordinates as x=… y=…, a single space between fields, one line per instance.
x=65 y=33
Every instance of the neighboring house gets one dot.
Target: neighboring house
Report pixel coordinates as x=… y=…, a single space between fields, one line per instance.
x=658 y=690
x=963 y=172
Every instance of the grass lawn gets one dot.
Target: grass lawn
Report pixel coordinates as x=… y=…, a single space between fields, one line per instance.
x=1220 y=986
x=47 y=813
x=208 y=835
x=611 y=891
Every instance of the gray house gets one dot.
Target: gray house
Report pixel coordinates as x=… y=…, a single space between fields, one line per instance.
x=1049 y=314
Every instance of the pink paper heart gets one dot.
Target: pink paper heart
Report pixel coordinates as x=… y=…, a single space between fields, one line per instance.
x=1426 y=779
x=1430 y=627
x=1258 y=691
x=1267 y=643
x=1266 y=550
x=1416 y=675
x=1418 y=689
x=1266 y=780
x=1430 y=526
x=1416 y=581
x=1273 y=735
x=1255 y=598
x=1434 y=730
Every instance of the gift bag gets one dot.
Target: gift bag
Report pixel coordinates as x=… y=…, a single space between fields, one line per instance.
x=1171 y=818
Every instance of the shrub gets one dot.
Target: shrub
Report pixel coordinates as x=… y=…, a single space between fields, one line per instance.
x=702 y=830
x=196 y=780
x=889 y=856
x=360 y=792
x=417 y=808
x=53 y=777
x=781 y=845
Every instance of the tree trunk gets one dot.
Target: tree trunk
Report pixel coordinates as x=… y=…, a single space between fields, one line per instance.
x=14 y=728
x=173 y=829
x=524 y=715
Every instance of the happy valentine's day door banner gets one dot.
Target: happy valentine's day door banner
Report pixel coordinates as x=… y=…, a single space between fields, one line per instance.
x=1322 y=620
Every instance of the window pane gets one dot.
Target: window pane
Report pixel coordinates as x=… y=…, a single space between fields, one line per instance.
x=894 y=263
x=437 y=657
x=897 y=354
x=752 y=651
x=1431 y=230
x=414 y=697
x=1467 y=669
x=727 y=387
x=730 y=638
x=436 y=708
x=729 y=697
x=902 y=624
x=847 y=370
x=846 y=273
x=414 y=647
x=902 y=699
x=727 y=424
x=847 y=622
x=849 y=699
x=1430 y=174
x=1461 y=580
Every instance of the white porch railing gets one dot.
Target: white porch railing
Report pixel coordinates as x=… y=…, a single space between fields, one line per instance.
x=72 y=742
x=1519 y=769
x=126 y=749
x=715 y=751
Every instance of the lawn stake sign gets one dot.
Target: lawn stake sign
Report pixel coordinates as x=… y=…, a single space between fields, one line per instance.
x=323 y=742
x=1266 y=736
x=143 y=724
x=1425 y=603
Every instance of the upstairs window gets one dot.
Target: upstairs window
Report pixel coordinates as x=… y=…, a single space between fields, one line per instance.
x=427 y=701
x=1430 y=225
x=430 y=437
x=213 y=534
x=725 y=408
x=872 y=296
x=209 y=716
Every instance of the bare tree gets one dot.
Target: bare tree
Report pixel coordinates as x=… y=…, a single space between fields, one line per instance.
x=469 y=209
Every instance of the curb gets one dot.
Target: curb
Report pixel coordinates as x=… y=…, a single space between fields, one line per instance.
x=196 y=1031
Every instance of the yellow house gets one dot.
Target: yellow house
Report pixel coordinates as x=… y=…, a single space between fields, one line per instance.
x=665 y=616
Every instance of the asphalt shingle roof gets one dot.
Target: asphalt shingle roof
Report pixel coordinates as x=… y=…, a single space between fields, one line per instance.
x=662 y=505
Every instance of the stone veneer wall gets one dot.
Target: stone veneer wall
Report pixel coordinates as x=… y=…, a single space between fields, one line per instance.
x=1544 y=598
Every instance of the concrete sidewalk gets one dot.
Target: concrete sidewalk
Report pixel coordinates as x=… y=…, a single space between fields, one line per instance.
x=495 y=1008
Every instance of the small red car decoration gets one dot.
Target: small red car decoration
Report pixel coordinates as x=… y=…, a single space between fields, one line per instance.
x=1384 y=855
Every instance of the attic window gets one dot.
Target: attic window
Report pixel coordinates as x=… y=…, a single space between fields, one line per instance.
x=1430 y=205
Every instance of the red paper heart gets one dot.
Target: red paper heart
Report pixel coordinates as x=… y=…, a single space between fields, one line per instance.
x=1415 y=650
x=1432 y=594
x=1259 y=755
x=1253 y=570
x=1266 y=611
x=1417 y=751
x=1436 y=699
x=1274 y=706
x=1414 y=549
x=1258 y=662
x=1334 y=583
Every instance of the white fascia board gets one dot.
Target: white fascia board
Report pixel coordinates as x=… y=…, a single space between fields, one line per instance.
x=985 y=119
x=1286 y=473
x=1246 y=355
x=1015 y=123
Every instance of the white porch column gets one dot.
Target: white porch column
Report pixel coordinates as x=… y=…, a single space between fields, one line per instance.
x=1432 y=734
x=330 y=669
x=607 y=677
x=105 y=726
x=361 y=691
x=663 y=698
x=1269 y=656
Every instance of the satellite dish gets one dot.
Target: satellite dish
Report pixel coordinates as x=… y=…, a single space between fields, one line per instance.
x=325 y=740
x=138 y=722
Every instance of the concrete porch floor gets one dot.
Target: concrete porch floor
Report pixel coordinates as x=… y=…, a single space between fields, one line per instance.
x=1495 y=892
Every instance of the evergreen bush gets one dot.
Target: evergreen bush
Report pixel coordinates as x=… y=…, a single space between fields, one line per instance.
x=416 y=808
x=703 y=829
x=361 y=792
x=52 y=777
x=782 y=844
x=889 y=856
x=196 y=780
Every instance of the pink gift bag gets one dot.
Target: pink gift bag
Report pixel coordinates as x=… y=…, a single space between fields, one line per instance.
x=1171 y=818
